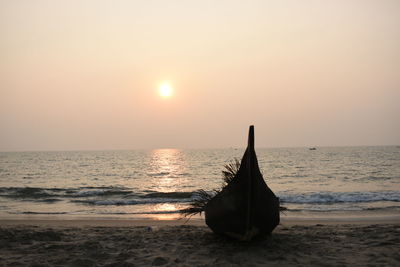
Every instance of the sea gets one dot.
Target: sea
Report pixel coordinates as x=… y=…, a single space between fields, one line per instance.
x=326 y=183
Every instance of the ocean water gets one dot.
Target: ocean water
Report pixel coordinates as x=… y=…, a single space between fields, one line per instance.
x=329 y=181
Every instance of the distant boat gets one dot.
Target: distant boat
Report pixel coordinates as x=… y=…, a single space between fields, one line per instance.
x=246 y=207
x=312 y=148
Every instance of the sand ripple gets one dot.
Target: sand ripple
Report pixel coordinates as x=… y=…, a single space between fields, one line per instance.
x=187 y=245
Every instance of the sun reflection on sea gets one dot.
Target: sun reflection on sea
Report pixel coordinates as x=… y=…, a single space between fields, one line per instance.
x=167 y=170
x=167 y=174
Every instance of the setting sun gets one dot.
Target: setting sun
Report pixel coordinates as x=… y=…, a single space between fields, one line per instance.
x=165 y=90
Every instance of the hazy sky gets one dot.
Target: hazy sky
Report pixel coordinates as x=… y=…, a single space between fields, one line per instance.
x=85 y=74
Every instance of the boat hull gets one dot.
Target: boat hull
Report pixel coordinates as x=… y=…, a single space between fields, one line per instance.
x=246 y=207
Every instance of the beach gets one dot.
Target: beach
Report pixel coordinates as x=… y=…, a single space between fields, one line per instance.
x=191 y=243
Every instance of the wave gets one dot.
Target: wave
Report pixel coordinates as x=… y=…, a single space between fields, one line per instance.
x=85 y=192
x=101 y=192
x=46 y=213
x=326 y=209
x=100 y=213
x=145 y=212
x=384 y=208
x=26 y=192
x=169 y=195
x=340 y=197
x=122 y=196
x=343 y=207
x=125 y=202
x=47 y=193
x=158 y=174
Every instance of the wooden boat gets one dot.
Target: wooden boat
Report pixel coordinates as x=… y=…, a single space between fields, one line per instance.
x=246 y=207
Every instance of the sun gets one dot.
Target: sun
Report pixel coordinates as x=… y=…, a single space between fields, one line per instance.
x=165 y=90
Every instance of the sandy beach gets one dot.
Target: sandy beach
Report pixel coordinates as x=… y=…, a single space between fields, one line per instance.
x=176 y=243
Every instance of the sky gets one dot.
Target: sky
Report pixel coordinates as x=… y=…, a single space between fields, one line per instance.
x=84 y=75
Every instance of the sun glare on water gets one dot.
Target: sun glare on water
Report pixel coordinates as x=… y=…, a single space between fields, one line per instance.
x=165 y=90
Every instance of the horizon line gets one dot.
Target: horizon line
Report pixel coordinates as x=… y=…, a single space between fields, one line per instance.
x=193 y=148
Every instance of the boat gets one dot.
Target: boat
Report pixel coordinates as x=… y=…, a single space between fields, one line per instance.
x=246 y=207
x=312 y=148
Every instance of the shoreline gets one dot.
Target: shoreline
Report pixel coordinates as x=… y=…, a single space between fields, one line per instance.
x=49 y=222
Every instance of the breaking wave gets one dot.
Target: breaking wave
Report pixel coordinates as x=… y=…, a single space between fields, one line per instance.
x=125 y=202
x=37 y=192
x=169 y=195
x=122 y=196
x=340 y=197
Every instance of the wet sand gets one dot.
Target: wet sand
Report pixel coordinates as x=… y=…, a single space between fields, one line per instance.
x=174 y=243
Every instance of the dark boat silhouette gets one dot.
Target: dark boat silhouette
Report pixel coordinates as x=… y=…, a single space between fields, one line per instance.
x=246 y=207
